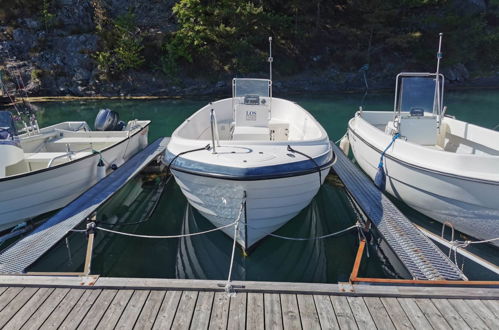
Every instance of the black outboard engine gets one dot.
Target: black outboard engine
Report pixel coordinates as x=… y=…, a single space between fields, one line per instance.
x=107 y=120
x=7 y=126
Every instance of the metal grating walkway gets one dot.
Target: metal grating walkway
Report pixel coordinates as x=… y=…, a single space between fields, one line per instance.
x=423 y=259
x=18 y=257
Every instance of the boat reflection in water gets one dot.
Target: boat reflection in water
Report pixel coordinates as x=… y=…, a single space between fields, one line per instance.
x=208 y=256
x=130 y=208
x=275 y=259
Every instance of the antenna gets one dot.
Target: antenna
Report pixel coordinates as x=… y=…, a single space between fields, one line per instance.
x=270 y=59
x=437 y=86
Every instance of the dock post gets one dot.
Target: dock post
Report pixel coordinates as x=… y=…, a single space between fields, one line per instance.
x=90 y=244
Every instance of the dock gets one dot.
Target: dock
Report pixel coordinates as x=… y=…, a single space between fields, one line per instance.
x=30 y=302
x=420 y=257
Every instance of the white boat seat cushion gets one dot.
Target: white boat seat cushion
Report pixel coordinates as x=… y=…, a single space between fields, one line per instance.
x=251 y=133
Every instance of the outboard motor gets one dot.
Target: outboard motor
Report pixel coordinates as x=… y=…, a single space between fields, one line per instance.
x=7 y=126
x=106 y=120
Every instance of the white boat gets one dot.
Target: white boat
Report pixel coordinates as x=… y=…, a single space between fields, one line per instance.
x=46 y=168
x=268 y=149
x=444 y=168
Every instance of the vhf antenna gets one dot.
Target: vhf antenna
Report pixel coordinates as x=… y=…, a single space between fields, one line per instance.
x=270 y=59
x=439 y=57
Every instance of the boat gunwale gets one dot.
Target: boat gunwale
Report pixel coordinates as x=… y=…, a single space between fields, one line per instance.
x=419 y=167
x=22 y=175
x=327 y=165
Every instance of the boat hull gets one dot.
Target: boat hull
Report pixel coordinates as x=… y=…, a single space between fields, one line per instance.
x=26 y=196
x=270 y=203
x=470 y=205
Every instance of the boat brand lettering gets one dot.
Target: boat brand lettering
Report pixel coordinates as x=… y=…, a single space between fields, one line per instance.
x=251 y=115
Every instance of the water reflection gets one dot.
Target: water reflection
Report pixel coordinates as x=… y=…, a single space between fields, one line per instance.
x=208 y=256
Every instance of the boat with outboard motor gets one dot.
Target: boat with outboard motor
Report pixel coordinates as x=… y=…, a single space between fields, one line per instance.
x=44 y=169
x=445 y=168
x=251 y=157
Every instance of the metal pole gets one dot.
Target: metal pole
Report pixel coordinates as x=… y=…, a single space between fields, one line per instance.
x=90 y=244
x=212 y=124
x=439 y=57
x=270 y=59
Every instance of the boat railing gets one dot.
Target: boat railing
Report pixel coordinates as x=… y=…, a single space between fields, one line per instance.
x=69 y=154
x=214 y=131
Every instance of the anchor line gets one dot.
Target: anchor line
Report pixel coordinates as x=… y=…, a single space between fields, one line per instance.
x=168 y=165
x=313 y=161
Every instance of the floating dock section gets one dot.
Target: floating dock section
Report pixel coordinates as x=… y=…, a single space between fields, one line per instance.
x=420 y=256
x=17 y=258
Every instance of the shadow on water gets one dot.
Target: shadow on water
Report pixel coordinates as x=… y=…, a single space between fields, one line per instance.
x=208 y=256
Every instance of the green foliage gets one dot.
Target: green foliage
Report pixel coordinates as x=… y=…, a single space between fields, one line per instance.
x=47 y=17
x=122 y=46
x=36 y=74
x=223 y=35
x=231 y=36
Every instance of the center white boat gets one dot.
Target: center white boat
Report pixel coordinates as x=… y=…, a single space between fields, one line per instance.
x=266 y=153
x=445 y=168
x=46 y=168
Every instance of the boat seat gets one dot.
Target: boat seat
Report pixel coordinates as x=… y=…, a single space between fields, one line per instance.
x=88 y=140
x=44 y=157
x=420 y=130
x=251 y=133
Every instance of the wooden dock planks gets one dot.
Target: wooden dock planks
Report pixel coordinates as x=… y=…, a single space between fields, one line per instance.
x=65 y=308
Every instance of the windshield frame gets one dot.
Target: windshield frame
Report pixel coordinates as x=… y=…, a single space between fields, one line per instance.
x=437 y=106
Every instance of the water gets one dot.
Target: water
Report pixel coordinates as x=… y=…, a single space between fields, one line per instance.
x=207 y=257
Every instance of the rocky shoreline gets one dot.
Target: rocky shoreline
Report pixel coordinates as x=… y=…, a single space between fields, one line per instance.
x=59 y=60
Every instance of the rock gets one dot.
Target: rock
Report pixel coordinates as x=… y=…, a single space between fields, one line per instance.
x=29 y=23
x=456 y=73
x=75 y=16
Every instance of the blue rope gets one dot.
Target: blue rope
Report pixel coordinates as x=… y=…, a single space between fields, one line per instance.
x=396 y=136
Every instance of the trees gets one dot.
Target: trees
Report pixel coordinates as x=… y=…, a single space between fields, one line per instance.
x=230 y=36
x=122 y=46
x=224 y=35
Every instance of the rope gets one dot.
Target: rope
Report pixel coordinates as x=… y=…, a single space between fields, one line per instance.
x=207 y=147
x=165 y=237
x=341 y=138
x=228 y=287
x=313 y=161
x=466 y=243
x=396 y=136
x=357 y=225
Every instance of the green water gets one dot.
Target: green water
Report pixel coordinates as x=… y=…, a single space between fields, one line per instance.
x=207 y=257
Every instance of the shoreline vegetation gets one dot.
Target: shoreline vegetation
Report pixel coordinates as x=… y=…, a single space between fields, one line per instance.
x=69 y=98
x=194 y=47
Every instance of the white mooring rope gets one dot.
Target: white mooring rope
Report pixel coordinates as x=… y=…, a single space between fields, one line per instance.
x=357 y=225
x=168 y=236
x=229 y=290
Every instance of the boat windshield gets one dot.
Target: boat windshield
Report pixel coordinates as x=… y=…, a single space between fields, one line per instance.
x=7 y=126
x=417 y=92
x=243 y=87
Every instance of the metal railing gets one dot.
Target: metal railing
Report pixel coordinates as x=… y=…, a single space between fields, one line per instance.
x=214 y=131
